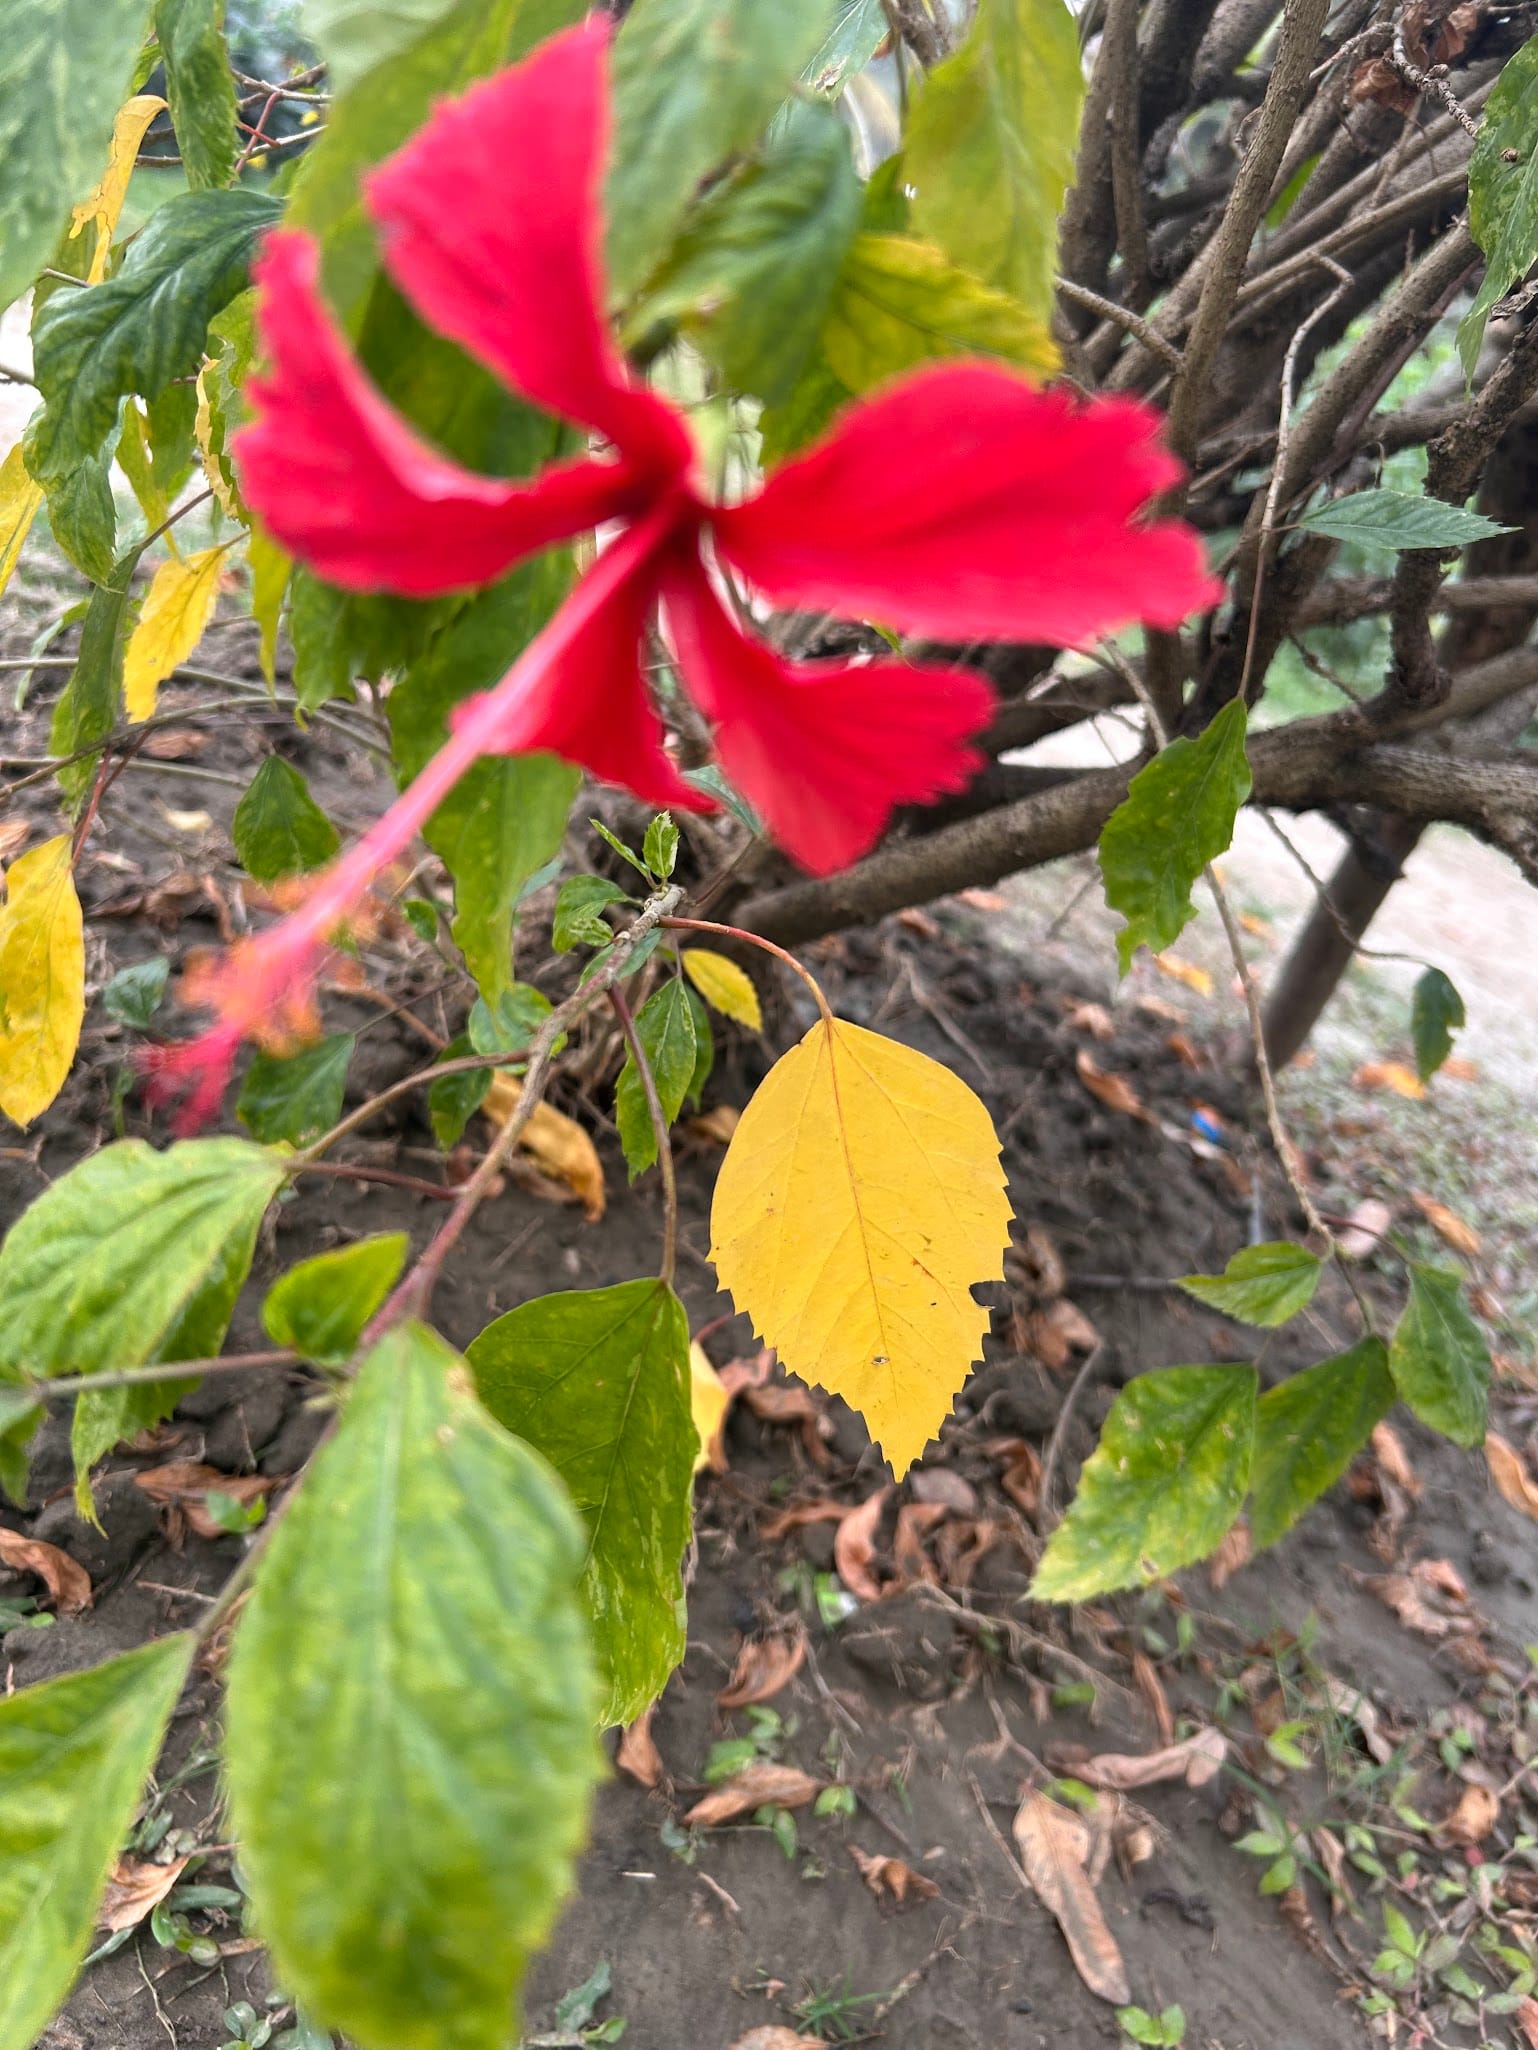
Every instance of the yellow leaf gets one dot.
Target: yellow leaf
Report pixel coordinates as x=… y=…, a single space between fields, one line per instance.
x=724 y=986
x=42 y=979
x=203 y=435
x=1389 y=1075
x=556 y=1141
x=859 y=1201
x=179 y=606
x=708 y=1404
x=105 y=203
x=1184 y=971
x=19 y=501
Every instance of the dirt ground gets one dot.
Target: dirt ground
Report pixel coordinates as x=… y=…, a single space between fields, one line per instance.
x=1360 y=1725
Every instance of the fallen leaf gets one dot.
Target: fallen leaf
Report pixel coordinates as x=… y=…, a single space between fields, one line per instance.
x=1156 y=1007
x=187 y=1484
x=1442 y=1575
x=1447 y=1224
x=1388 y=1450
x=175 y=744
x=1114 y=1091
x=915 y=920
x=1020 y=1474
x=854 y=1547
x=1398 y=1592
x=715 y=1126
x=1509 y=1472
x=1457 y=1069
x=764 y=1665
x=638 y=1754
x=944 y=1485
x=186 y=821
x=1184 y=971
x=1472 y=1820
x=1356 y=1708
x=798 y=1515
x=1094 y=1019
x=13 y=836
x=892 y=1876
x=1389 y=1075
x=556 y=1141
x=1527 y=2018
x=134 y=1887
x=982 y=900
x=1331 y=1853
x=708 y=1403
x=1258 y=928
x=781 y=1403
x=1196 y=1760
x=1055 y=1846
x=1235 y=1551
x=1183 y=1050
x=42 y=978
x=1146 y=1678
x=908 y=1554
x=961 y=1544
x=65 y=1578
x=760 y=1785
x=773 y=2038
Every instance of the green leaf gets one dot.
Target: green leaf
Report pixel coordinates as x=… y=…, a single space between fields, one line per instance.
x=133 y=995
x=1440 y=1363
x=1399 y=519
x=1177 y=816
x=990 y=144
x=278 y=828
x=83 y=517
x=576 y=2009
x=506 y=818
x=511 y=1022
x=410 y=1718
x=320 y=1307
x=754 y=271
x=452 y=1100
x=598 y=1381
x=1308 y=1431
x=74 y=1756
x=20 y=1415
x=665 y=1027
x=355 y=35
x=818 y=397
x=88 y=708
x=296 y=1096
x=1262 y=1285
x=1503 y=192
x=144 y=327
x=576 y=922
x=859 y=29
x=199 y=87
x=1436 y=1013
x=1166 y=2028
x=899 y=303
x=65 y=69
x=1160 y=1489
x=270 y=571
x=659 y=850
x=695 y=81
x=704 y=1049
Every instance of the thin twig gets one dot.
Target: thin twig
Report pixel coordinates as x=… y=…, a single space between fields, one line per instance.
x=161 y=1370
x=1046 y=1515
x=627 y=1025
x=1122 y=316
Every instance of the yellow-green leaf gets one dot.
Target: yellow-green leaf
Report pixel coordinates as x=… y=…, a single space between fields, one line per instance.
x=19 y=502
x=270 y=569
x=179 y=606
x=42 y=979
x=724 y=986
x=859 y=1201
x=104 y=203
x=901 y=302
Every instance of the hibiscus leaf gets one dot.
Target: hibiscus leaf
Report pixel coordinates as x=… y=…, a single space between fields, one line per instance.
x=199 y=87
x=1399 y=519
x=1436 y=1013
x=1160 y=1489
x=990 y=146
x=899 y=303
x=42 y=978
x=355 y=35
x=1439 y=1360
x=65 y=69
x=278 y=828
x=1308 y=1430
x=1262 y=1285
x=88 y=708
x=1503 y=192
x=1178 y=815
x=665 y=1026
x=598 y=1381
x=321 y=1306
x=296 y=1096
x=859 y=29
x=695 y=82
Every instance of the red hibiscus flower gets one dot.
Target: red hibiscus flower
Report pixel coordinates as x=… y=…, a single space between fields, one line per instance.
x=960 y=502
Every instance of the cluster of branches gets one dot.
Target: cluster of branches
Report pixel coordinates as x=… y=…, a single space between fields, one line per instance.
x=1269 y=222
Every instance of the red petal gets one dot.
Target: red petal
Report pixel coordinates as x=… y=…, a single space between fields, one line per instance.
x=589 y=704
x=346 y=485
x=963 y=502
x=823 y=749
x=492 y=225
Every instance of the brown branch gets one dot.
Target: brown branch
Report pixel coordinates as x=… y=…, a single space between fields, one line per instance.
x=1336 y=601
x=1089 y=216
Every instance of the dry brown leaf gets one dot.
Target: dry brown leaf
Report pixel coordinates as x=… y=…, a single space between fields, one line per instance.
x=982 y=900
x=186 y=1484
x=1332 y=1856
x=1033 y=1266
x=944 y=1485
x=13 y=836
x=1184 y=971
x=1094 y=1019
x=1054 y=1846
x=1196 y=1760
x=638 y=1754
x=66 y=1579
x=1509 y=1472
x=1183 y=1050
x=715 y=1126
x=1151 y=1687
x=854 y=1547
x=912 y=919
x=760 y=1785
x=1457 y=1069
x=1527 y=2020
x=1442 y=1575
x=1020 y=1471
x=960 y=1545
x=1398 y=1592
x=798 y=1515
x=908 y=1554
x=1114 y=1091
x=134 y=1887
x=892 y=1876
x=1447 y=1224
x=1389 y=1075
x=556 y=1141
x=782 y=1402
x=764 y=1665
x=1472 y=1820
x=1356 y=1708
x=1388 y=1450
x=774 y=2038
x=1235 y=1551
x=175 y=744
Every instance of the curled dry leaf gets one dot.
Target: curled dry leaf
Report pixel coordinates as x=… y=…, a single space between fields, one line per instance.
x=797 y=1515
x=134 y=1888
x=1447 y=1224
x=912 y=919
x=1509 y=1472
x=1054 y=1846
x=1388 y=1450
x=960 y=1545
x=764 y=1665
x=1034 y=1267
x=638 y=1754
x=982 y=900
x=1365 y=1230
x=908 y=1554
x=760 y=1785
x=1183 y=1049
x=1114 y=1091
x=892 y=1876
x=1331 y=1853
x=1196 y=1760
x=556 y=1141
x=186 y=1485
x=854 y=1547
x=715 y=1126
x=1346 y=1701
x=1404 y=1594
x=1146 y=1678
x=1476 y=1814
x=1020 y=1474
x=67 y=1582
x=774 y=2038
x=13 y=836
x=1235 y=1551
x=1187 y=972
x=1094 y=1019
